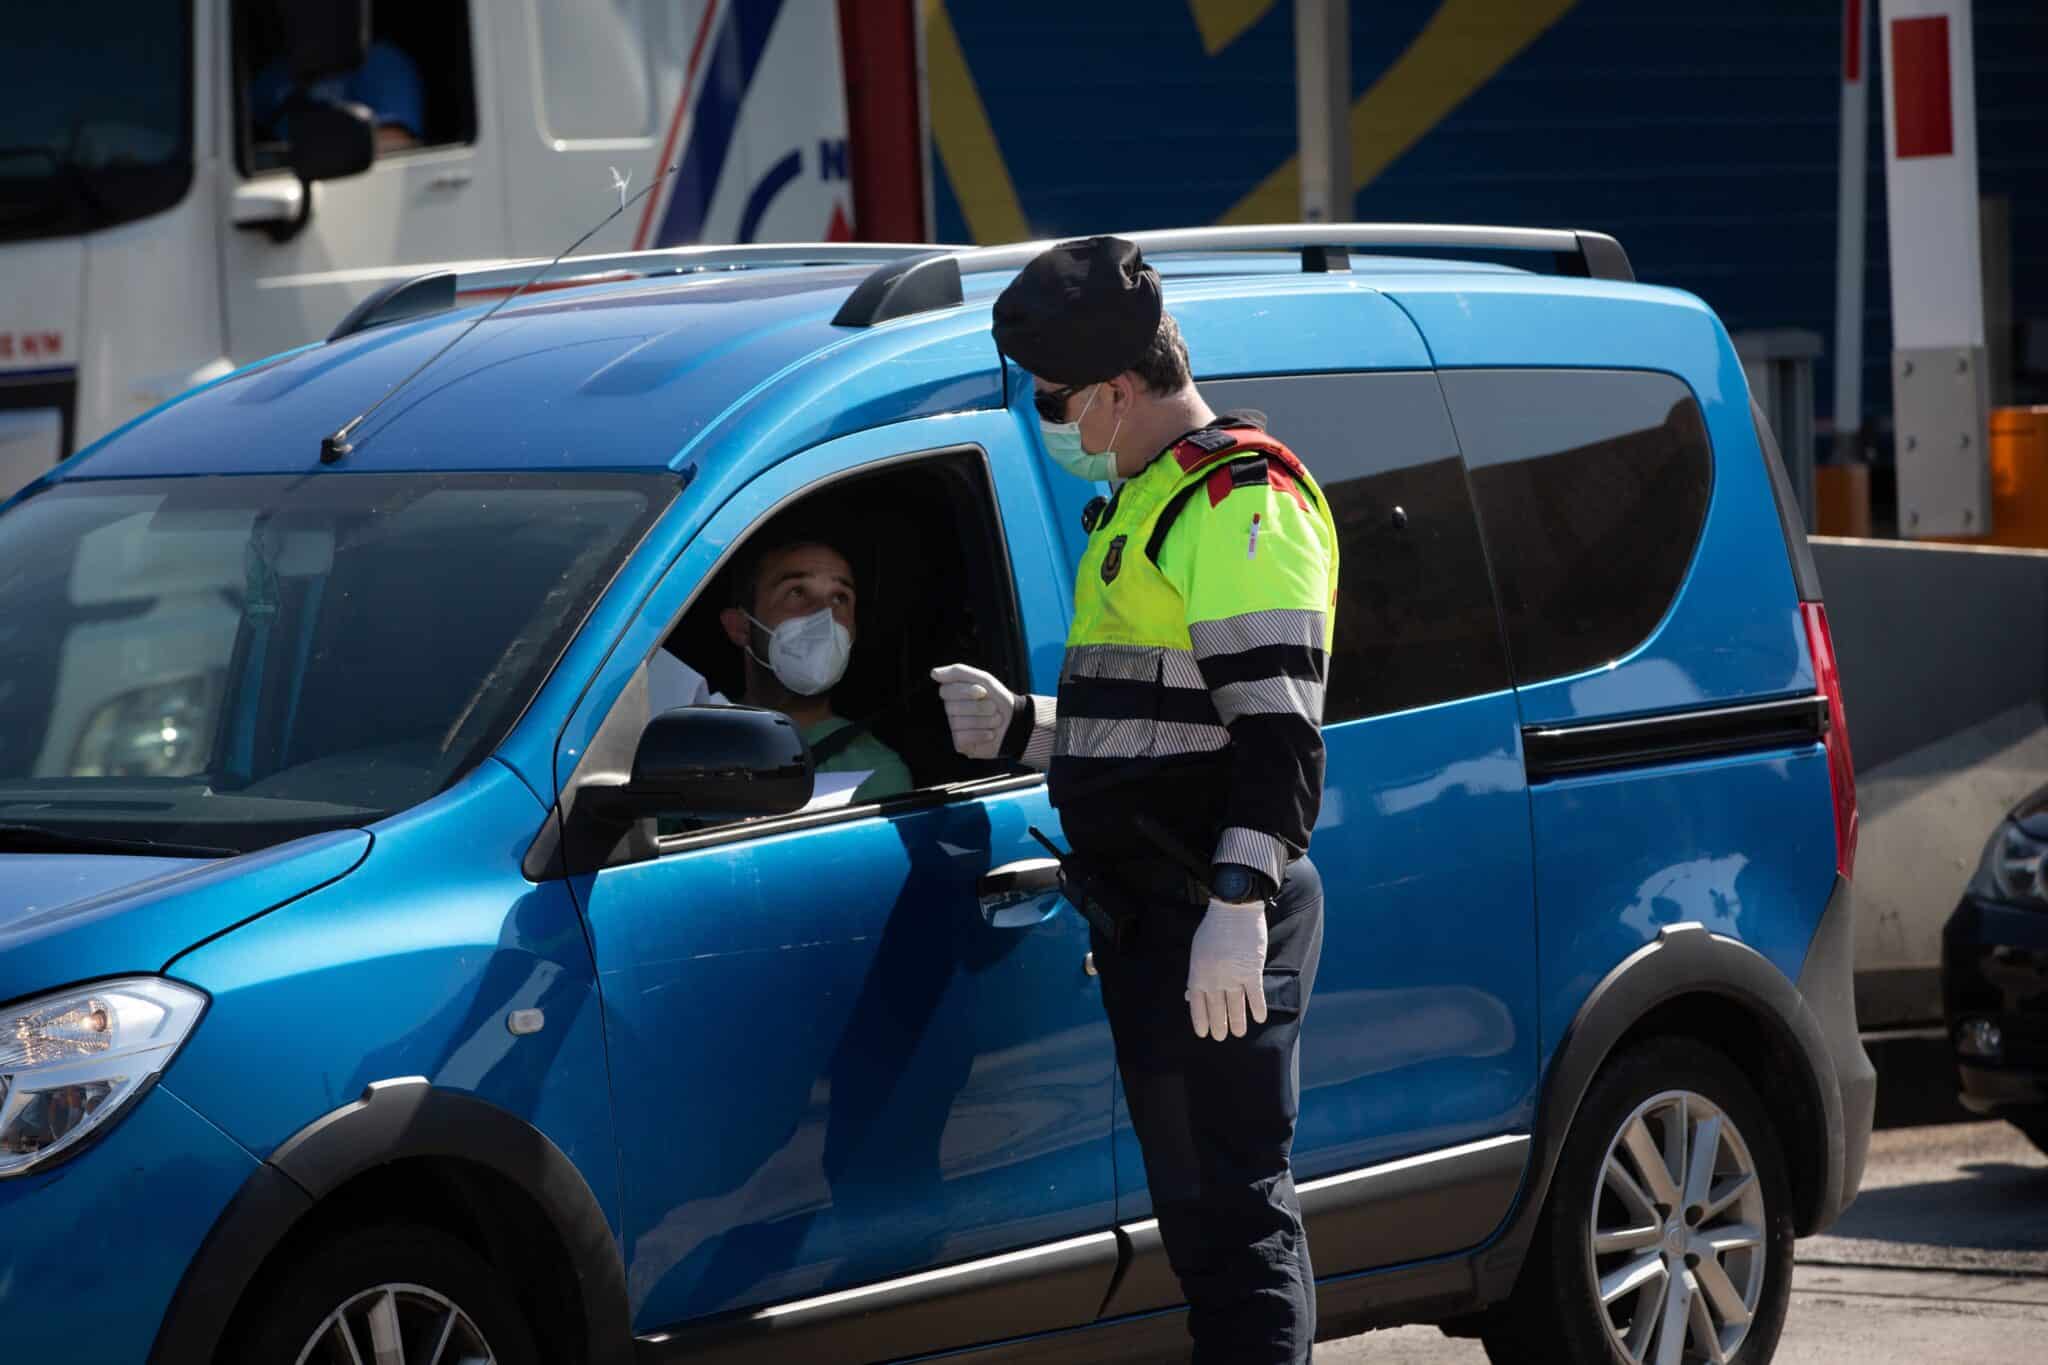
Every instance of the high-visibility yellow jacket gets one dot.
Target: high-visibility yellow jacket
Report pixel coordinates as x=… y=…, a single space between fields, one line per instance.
x=1192 y=688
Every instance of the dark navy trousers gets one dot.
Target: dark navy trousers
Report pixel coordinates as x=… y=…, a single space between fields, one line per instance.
x=1216 y=1123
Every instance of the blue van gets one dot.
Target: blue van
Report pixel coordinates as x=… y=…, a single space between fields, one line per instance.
x=392 y=972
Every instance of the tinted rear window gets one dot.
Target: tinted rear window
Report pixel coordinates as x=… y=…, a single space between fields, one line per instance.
x=1592 y=488
x=1415 y=614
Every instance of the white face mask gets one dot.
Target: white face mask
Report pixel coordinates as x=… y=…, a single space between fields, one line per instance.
x=807 y=653
x=1063 y=443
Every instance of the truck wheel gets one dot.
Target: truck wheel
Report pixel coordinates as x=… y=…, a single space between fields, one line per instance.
x=398 y=1295
x=1667 y=1235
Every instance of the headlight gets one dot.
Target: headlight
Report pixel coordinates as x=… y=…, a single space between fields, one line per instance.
x=2011 y=868
x=71 y=1062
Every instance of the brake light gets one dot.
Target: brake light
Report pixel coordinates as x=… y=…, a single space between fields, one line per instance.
x=1841 y=768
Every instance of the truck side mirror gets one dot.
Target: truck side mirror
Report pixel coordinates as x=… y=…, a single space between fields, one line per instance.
x=330 y=140
x=714 y=763
x=324 y=38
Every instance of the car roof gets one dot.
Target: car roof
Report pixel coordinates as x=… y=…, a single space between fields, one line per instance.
x=652 y=373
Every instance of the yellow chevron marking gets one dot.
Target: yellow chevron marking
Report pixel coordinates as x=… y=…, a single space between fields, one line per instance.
x=1222 y=21
x=965 y=141
x=1465 y=43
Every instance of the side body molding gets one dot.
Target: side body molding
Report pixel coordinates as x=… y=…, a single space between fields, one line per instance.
x=1395 y=1213
x=394 y=1120
x=1684 y=959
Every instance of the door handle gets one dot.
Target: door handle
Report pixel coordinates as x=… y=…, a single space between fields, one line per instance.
x=450 y=180
x=1019 y=895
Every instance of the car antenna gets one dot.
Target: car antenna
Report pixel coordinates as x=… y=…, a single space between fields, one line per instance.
x=334 y=447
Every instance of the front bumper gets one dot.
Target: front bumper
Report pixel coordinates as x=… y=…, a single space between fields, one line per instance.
x=1994 y=967
x=95 y=1246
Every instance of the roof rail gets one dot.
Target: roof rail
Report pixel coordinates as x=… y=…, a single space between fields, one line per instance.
x=919 y=277
x=440 y=288
x=1323 y=247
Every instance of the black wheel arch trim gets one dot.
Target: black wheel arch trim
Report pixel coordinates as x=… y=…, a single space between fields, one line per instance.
x=1684 y=959
x=392 y=1121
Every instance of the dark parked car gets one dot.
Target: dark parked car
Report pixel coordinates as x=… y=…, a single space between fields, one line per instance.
x=1994 y=975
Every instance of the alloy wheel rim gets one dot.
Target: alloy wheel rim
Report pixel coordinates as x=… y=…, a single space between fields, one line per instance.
x=1677 y=1252
x=397 y=1324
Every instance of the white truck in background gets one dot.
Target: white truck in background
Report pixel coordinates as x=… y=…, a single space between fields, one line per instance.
x=155 y=235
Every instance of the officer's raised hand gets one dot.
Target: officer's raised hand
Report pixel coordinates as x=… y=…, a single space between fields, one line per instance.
x=1227 y=969
x=978 y=708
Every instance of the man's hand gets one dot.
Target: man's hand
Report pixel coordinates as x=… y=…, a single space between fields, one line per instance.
x=1226 y=969
x=978 y=707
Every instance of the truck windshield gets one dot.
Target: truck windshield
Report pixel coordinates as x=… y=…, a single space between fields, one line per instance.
x=229 y=662
x=97 y=125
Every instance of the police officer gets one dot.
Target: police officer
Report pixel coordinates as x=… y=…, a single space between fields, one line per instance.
x=1187 y=719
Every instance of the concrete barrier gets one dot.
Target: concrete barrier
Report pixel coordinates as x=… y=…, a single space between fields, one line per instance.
x=1944 y=657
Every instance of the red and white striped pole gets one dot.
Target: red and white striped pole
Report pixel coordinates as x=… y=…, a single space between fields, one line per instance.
x=1940 y=391
x=1851 y=213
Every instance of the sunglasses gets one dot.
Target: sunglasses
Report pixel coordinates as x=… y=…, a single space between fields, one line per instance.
x=1052 y=403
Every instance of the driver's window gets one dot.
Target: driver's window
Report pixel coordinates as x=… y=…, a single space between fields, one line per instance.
x=836 y=609
x=415 y=80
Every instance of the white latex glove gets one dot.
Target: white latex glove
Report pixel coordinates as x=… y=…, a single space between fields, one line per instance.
x=978 y=707
x=1227 y=969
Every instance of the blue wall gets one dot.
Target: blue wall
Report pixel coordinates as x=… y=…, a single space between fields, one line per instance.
x=1704 y=137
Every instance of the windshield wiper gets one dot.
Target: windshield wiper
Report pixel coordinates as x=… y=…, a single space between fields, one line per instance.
x=16 y=838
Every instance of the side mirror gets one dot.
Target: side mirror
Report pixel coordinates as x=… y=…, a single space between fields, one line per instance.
x=331 y=140
x=324 y=37
x=716 y=763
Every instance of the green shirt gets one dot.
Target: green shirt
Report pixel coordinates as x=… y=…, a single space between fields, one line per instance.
x=866 y=754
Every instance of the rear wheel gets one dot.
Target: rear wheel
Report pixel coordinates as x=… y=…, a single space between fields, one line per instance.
x=1667 y=1236
x=396 y=1295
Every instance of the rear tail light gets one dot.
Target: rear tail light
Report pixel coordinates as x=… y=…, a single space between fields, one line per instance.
x=1841 y=768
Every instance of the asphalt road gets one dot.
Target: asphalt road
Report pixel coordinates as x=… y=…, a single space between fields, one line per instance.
x=1943 y=1257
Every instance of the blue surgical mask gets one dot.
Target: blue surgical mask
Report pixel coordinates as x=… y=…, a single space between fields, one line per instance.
x=1063 y=443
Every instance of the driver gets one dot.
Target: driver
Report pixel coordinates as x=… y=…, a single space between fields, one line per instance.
x=792 y=620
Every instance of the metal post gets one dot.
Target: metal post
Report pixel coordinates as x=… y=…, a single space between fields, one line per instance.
x=1322 y=87
x=1994 y=214
x=1851 y=207
x=1940 y=394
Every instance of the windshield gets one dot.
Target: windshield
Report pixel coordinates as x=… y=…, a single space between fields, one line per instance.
x=97 y=125
x=234 y=661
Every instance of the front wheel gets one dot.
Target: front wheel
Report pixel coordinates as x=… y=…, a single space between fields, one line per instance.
x=395 y=1295
x=1667 y=1235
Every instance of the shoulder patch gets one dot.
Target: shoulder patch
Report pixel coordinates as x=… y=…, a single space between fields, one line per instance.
x=1203 y=447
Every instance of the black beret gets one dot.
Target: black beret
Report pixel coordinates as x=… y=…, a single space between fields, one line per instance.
x=1081 y=312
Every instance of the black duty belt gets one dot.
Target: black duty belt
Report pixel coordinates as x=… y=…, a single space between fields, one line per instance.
x=1155 y=879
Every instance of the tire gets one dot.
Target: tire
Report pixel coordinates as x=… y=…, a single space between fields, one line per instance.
x=417 y=1279
x=1557 y=1312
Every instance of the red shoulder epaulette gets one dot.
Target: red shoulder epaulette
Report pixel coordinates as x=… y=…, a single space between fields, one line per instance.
x=1226 y=446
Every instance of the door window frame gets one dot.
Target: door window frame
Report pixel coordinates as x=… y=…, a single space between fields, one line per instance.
x=241 y=114
x=1011 y=636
